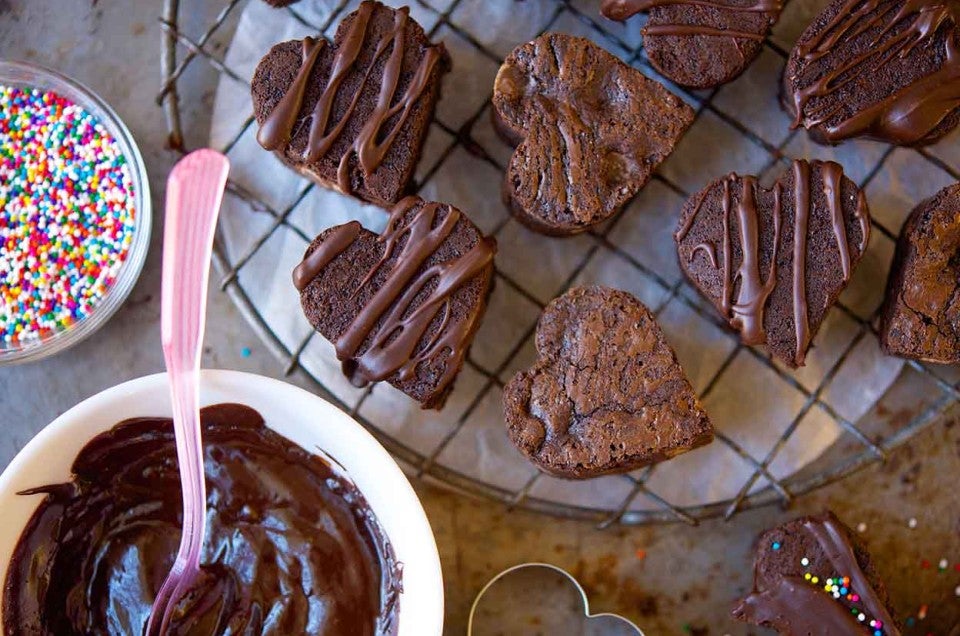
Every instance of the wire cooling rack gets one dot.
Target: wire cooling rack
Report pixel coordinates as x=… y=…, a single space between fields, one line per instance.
x=859 y=447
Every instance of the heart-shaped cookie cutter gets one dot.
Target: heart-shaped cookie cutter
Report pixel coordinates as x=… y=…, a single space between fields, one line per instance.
x=557 y=570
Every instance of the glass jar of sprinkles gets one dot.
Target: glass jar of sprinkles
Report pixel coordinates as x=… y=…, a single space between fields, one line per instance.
x=74 y=212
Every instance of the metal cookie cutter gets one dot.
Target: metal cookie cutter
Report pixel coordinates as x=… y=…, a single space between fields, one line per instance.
x=623 y=625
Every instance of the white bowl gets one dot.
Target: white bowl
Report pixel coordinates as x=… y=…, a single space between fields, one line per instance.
x=300 y=416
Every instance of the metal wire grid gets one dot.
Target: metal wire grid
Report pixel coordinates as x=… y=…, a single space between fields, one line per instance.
x=426 y=465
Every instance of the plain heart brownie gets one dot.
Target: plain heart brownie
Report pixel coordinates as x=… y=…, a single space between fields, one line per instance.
x=700 y=43
x=884 y=69
x=352 y=114
x=811 y=577
x=774 y=261
x=921 y=313
x=588 y=129
x=606 y=394
x=402 y=306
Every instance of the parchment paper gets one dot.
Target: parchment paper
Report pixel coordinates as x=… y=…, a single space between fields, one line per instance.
x=749 y=403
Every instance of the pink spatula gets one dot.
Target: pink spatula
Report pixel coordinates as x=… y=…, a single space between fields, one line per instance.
x=194 y=192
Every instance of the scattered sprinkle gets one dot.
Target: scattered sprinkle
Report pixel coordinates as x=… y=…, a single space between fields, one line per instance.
x=804 y=561
x=861 y=527
x=776 y=545
x=922 y=614
x=911 y=621
x=66 y=214
x=942 y=566
x=912 y=523
x=924 y=565
x=956 y=591
x=641 y=554
x=245 y=352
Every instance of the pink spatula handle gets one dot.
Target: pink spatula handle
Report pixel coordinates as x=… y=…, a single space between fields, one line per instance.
x=194 y=192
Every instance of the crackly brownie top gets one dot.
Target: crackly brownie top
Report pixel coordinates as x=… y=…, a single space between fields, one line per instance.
x=606 y=393
x=590 y=130
x=921 y=314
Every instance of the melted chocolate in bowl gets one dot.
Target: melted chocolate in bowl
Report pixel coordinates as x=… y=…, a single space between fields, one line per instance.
x=291 y=547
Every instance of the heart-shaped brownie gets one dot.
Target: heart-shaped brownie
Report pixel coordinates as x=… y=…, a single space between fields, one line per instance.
x=700 y=43
x=352 y=115
x=402 y=306
x=921 y=313
x=884 y=69
x=774 y=261
x=606 y=394
x=589 y=132
x=812 y=576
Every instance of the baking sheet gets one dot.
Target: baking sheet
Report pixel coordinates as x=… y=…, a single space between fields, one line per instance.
x=739 y=128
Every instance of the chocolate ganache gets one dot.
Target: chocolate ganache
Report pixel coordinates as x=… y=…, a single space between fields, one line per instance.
x=291 y=547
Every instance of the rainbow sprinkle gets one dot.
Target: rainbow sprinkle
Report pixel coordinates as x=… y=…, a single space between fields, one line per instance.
x=839 y=588
x=67 y=214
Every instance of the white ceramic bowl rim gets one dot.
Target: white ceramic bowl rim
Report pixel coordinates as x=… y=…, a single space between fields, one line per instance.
x=302 y=417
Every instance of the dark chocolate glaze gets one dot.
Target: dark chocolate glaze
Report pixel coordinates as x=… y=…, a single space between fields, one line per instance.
x=372 y=142
x=291 y=547
x=794 y=606
x=908 y=115
x=396 y=331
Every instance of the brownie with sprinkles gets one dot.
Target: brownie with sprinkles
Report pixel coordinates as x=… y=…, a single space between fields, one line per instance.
x=812 y=577
x=700 y=43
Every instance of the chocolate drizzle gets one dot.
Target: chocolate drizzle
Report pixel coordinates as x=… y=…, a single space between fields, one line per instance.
x=706 y=248
x=908 y=114
x=745 y=289
x=620 y=10
x=746 y=311
x=372 y=142
x=386 y=320
x=801 y=218
x=793 y=606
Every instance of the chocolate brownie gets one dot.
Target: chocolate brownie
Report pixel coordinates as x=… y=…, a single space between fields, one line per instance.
x=402 y=306
x=921 y=313
x=700 y=43
x=606 y=394
x=280 y=3
x=774 y=261
x=884 y=69
x=811 y=577
x=352 y=114
x=589 y=131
